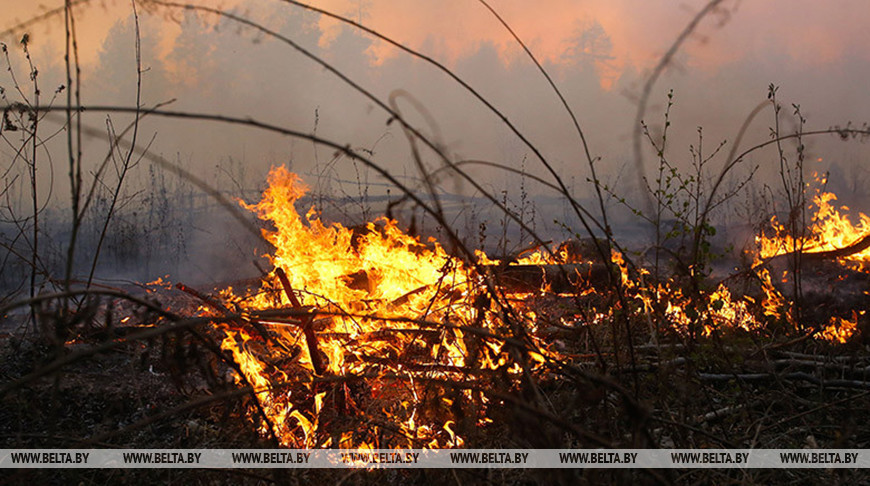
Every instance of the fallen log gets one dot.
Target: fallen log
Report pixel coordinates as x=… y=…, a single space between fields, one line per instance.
x=564 y=278
x=817 y=256
x=794 y=376
x=557 y=278
x=856 y=247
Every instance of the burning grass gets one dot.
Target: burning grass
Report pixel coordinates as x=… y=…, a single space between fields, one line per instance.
x=399 y=332
x=370 y=338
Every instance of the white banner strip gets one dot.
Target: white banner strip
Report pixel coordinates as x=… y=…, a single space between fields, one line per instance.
x=443 y=458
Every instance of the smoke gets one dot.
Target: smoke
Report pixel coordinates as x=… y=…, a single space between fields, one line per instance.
x=598 y=53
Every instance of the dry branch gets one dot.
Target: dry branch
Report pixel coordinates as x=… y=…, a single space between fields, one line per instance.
x=258 y=326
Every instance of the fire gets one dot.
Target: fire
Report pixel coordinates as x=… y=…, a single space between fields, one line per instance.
x=830 y=230
x=372 y=302
x=831 y=233
x=371 y=322
x=840 y=330
x=711 y=311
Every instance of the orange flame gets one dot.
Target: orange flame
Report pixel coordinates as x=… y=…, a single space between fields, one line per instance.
x=381 y=298
x=840 y=330
x=389 y=316
x=831 y=230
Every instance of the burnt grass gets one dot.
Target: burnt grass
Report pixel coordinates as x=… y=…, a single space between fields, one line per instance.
x=733 y=389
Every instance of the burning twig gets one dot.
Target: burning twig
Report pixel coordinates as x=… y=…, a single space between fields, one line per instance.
x=206 y=299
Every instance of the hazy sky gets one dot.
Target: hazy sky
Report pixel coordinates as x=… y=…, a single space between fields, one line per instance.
x=599 y=52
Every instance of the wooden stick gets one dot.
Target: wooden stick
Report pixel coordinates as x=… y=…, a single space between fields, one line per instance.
x=307 y=328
